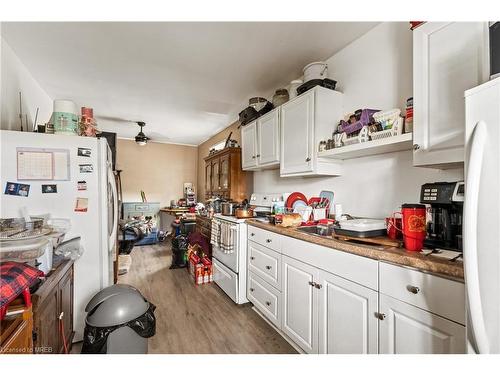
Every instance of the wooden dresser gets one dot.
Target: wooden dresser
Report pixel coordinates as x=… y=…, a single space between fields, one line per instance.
x=16 y=330
x=224 y=176
x=52 y=302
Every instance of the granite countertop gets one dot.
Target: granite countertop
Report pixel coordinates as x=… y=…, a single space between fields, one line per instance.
x=419 y=261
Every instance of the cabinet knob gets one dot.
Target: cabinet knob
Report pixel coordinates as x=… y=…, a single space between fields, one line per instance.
x=253 y=156
x=311 y=283
x=413 y=289
x=268 y=303
x=318 y=286
x=308 y=159
x=416 y=147
x=269 y=240
x=258 y=155
x=252 y=289
x=252 y=258
x=380 y=316
x=252 y=234
x=268 y=267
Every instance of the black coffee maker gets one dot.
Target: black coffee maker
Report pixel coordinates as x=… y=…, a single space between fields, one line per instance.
x=444 y=202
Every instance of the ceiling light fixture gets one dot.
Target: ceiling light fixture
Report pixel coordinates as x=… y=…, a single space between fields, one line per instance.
x=141 y=138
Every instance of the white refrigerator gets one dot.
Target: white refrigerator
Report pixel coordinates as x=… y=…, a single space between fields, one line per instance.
x=481 y=230
x=81 y=168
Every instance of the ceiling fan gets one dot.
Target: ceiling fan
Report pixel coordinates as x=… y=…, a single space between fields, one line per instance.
x=141 y=139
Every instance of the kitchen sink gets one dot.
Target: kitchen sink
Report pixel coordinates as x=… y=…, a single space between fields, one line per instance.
x=317 y=230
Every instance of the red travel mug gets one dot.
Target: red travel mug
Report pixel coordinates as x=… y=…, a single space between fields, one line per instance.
x=414 y=229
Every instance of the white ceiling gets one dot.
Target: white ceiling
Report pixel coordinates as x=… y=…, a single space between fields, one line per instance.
x=187 y=81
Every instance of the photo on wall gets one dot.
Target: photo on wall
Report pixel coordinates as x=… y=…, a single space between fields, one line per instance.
x=47 y=189
x=14 y=188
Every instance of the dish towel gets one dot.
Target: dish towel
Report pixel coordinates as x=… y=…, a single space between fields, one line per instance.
x=226 y=238
x=215 y=235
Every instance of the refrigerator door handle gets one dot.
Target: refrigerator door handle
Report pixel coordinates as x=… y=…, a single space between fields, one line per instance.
x=112 y=183
x=474 y=304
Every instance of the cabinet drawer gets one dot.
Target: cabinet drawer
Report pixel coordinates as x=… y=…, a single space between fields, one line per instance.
x=432 y=293
x=265 y=238
x=265 y=298
x=265 y=263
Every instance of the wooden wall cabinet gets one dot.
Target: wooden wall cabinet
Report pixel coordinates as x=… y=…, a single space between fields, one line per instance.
x=224 y=176
x=52 y=302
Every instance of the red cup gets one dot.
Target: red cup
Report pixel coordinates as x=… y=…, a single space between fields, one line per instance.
x=394 y=227
x=413 y=226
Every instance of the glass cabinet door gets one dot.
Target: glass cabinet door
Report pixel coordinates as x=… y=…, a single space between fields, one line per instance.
x=208 y=177
x=215 y=176
x=224 y=172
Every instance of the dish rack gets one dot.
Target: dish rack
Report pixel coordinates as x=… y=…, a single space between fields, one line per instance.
x=390 y=118
x=363 y=136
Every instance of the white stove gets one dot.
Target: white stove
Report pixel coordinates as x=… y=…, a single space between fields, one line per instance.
x=230 y=268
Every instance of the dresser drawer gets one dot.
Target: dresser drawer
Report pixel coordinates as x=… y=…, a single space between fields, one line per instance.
x=265 y=238
x=265 y=263
x=265 y=298
x=432 y=293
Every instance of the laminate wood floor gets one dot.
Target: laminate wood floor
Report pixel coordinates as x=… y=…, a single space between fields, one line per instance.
x=196 y=319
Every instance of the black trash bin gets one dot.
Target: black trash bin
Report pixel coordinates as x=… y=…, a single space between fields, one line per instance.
x=119 y=321
x=179 y=249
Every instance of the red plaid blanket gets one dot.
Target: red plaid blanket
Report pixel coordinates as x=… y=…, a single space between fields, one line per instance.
x=14 y=278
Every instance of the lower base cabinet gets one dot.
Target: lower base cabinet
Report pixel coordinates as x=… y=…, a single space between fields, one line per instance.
x=324 y=313
x=300 y=313
x=348 y=323
x=406 y=329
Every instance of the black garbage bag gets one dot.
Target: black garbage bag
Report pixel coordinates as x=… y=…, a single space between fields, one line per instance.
x=179 y=249
x=95 y=338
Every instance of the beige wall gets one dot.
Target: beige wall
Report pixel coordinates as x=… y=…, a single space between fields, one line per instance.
x=157 y=168
x=203 y=152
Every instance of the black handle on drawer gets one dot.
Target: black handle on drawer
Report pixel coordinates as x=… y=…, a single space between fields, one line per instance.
x=269 y=240
x=413 y=289
x=268 y=267
x=252 y=234
x=252 y=258
x=268 y=303
x=252 y=289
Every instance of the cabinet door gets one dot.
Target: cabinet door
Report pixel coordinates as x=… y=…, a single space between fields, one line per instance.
x=347 y=321
x=215 y=186
x=249 y=145
x=300 y=315
x=448 y=58
x=66 y=307
x=297 y=135
x=406 y=329
x=208 y=177
x=224 y=177
x=48 y=336
x=268 y=142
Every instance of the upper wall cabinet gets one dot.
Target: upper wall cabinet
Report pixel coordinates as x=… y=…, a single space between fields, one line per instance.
x=305 y=121
x=260 y=142
x=448 y=58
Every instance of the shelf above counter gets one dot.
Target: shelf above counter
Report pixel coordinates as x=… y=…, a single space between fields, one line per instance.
x=396 y=143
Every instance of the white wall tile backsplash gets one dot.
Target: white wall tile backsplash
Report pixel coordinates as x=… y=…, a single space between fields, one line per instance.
x=371 y=186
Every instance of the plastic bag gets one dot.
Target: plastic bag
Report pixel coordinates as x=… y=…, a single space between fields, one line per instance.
x=95 y=338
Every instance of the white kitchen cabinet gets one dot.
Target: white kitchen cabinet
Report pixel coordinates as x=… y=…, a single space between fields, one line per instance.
x=448 y=58
x=300 y=314
x=305 y=121
x=268 y=139
x=260 y=142
x=347 y=317
x=406 y=329
x=249 y=146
